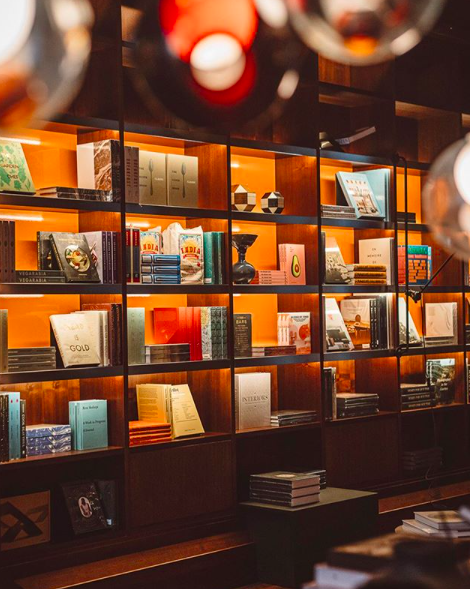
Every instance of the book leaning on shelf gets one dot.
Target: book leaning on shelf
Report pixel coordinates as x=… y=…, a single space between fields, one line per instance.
x=336 y=333
x=414 y=339
x=441 y=324
x=355 y=190
x=252 y=400
x=379 y=252
x=73 y=336
x=294 y=329
x=89 y=423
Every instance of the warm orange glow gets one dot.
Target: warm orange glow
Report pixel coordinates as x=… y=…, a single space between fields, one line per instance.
x=362 y=46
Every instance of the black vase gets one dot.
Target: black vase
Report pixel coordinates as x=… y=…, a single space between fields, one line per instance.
x=243 y=271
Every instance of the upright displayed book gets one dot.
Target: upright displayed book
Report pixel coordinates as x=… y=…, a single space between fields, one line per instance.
x=336 y=333
x=72 y=335
x=114 y=322
x=356 y=313
x=152 y=178
x=189 y=245
x=294 y=329
x=104 y=253
x=84 y=507
x=441 y=324
x=330 y=392
x=253 y=400
x=182 y=180
x=419 y=264
x=354 y=190
x=440 y=373
x=378 y=252
x=242 y=334
x=336 y=271
x=185 y=420
x=379 y=181
x=214 y=257
x=136 y=335
x=7 y=251
x=10 y=417
x=74 y=257
x=99 y=328
x=413 y=339
x=89 y=423
x=292 y=261
x=14 y=170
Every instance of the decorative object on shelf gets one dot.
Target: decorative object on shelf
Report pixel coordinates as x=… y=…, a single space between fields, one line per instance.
x=243 y=271
x=273 y=203
x=242 y=199
x=44 y=50
x=362 y=32
x=217 y=62
x=446 y=199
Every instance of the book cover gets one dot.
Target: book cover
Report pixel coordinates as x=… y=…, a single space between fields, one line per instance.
x=151 y=242
x=441 y=374
x=92 y=424
x=74 y=340
x=419 y=264
x=336 y=271
x=46 y=257
x=355 y=189
x=441 y=321
x=24 y=520
x=185 y=417
x=337 y=335
x=356 y=315
x=136 y=335
x=292 y=261
x=3 y=340
x=98 y=166
x=14 y=424
x=378 y=252
x=84 y=507
x=253 y=400
x=151 y=402
x=182 y=180
x=414 y=338
x=242 y=333
x=379 y=181
x=14 y=171
x=152 y=178
x=293 y=329
x=191 y=250
x=97 y=243
x=288 y=480
x=74 y=257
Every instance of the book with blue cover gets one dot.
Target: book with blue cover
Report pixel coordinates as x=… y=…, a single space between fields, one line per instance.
x=89 y=423
x=47 y=430
x=354 y=190
x=14 y=425
x=379 y=181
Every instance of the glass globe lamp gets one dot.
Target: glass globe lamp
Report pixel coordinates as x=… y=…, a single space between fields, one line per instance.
x=363 y=32
x=217 y=63
x=44 y=50
x=446 y=199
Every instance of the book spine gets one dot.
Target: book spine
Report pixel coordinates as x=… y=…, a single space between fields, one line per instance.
x=221 y=256
x=136 y=255
x=215 y=259
x=129 y=255
x=209 y=270
x=4 y=246
x=4 y=437
x=383 y=330
x=128 y=168
x=105 y=256
x=373 y=323
x=409 y=398
x=116 y=169
x=12 y=250
x=115 y=257
x=3 y=340
x=23 y=427
x=416 y=405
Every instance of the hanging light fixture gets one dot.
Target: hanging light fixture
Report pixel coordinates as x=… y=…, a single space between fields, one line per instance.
x=363 y=32
x=217 y=63
x=44 y=50
x=446 y=199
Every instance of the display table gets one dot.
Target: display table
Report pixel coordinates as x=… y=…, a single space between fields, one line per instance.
x=290 y=541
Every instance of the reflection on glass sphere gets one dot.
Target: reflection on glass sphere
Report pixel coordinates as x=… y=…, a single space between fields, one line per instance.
x=446 y=198
x=217 y=63
x=363 y=32
x=44 y=50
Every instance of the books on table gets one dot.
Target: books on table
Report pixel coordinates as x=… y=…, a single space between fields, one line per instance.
x=253 y=400
x=438 y=524
x=356 y=404
x=441 y=324
x=285 y=489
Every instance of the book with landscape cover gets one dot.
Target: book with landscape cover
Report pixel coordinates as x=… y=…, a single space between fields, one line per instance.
x=414 y=338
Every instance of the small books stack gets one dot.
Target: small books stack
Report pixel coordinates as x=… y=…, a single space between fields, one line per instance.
x=437 y=524
x=270 y=277
x=76 y=193
x=40 y=277
x=417 y=396
x=292 y=417
x=423 y=460
x=48 y=439
x=31 y=359
x=366 y=274
x=320 y=473
x=160 y=353
x=89 y=423
x=338 y=212
x=142 y=433
x=286 y=489
x=356 y=405
x=160 y=269
x=265 y=351
x=441 y=324
x=378 y=252
x=419 y=264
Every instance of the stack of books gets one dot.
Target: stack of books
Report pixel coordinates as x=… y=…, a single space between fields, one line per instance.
x=320 y=473
x=48 y=439
x=338 y=212
x=270 y=277
x=89 y=423
x=356 y=405
x=419 y=264
x=292 y=417
x=31 y=359
x=366 y=274
x=438 y=524
x=417 y=396
x=160 y=269
x=422 y=460
x=76 y=193
x=264 y=351
x=161 y=353
x=142 y=433
x=40 y=277
x=286 y=489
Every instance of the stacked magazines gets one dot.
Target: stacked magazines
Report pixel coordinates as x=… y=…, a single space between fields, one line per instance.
x=437 y=524
x=160 y=353
x=292 y=417
x=262 y=351
x=285 y=489
x=142 y=433
x=423 y=460
x=338 y=212
x=31 y=359
x=356 y=405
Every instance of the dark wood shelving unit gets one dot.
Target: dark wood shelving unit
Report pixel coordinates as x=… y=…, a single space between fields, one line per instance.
x=194 y=484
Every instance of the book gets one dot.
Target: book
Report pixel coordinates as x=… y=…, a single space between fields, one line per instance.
x=14 y=170
x=107 y=492
x=242 y=334
x=273 y=499
x=336 y=271
x=97 y=242
x=98 y=166
x=214 y=257
x=419 y=264
x=76 y=193
x=380 y=181
x=442 y=520
x=74 y=257
x=152 y=402
x=413 y=526
x=182 y=180
x=330 y=392
x=356 y=313
x=294 y=329
x=191 y=250
x=380 y=252
x=14 y=424
x=440 y=374
x=414 y=339
x=337 y=335
x=4 y=429
x=3 y=340
x=45 y=254
x=89 y=423
x=114 y=311
x=286 y=480
x=98 y=324
x=152 y=178
x=151 y=242
x=25 y=520
x=84 y=507
x=39 y=277
x=252 y=400
x=354 y=189
x=185 y=420
x=292 y=261
x=441 y=323
x=136 y=335
x=75 y=343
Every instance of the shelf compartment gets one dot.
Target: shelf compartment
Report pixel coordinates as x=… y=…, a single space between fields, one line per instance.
x=277 y=360
x=60 y=374
x=176 y=212
x=273 y=431
x=253 y=289
x=19 y=201
x=140 y=369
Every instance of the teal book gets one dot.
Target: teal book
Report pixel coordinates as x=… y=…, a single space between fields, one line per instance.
x=89 y=422
x=209 y=270
x=14 y=425
x=379 y=181
x=220 y=256
x=73 y=423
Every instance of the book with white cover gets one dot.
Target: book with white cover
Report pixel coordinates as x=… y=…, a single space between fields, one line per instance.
x=185 y=418
x=415 y=527
x=98 y=323
x=442 y=520
x=378 y=252
x=152 y=402
x=74 y=339
x=413 y=335
x=95 y=243
x=441 y=321
x=337 y=336
x=253 y=400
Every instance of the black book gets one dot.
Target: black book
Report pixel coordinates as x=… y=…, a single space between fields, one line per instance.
x=4 y=429
x=84 y=507
x=108 y=496
x=46 y=257
x=242 y=330
x=74 y=257
x=329 y=376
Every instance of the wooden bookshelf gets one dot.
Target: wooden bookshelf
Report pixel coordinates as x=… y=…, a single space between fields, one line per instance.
x=184 y=488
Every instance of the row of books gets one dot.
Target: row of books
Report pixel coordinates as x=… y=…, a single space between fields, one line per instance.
x=423 y=460
x=346 y=405
x=287 y=489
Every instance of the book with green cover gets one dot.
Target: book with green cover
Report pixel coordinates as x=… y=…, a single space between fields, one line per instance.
x=14 y=171
x=89 y=422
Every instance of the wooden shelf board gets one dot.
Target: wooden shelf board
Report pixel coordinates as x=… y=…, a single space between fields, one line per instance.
x=415 y=499
x=138 y=369
x=341 y=157
x=415 y=227
x=356 y=223
x=64 y=289
x=344 y=288
x=19 y=201
x=273 y=431
x=431 y=350
x=169 y=289
x=206 y=438
x=437 y=409
x=256 y=217
x=175 y=212
x=277 y=360
x=362 y=417
x=60 y=374
x=279 y=289
x=433 y=289
x=62 y=457
x=175 y=137
x=267 y=149
x=358 y=355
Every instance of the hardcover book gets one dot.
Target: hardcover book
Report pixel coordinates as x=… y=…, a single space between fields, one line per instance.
x=355 y=190
x=74 y=340
x=441 y=322
x=136 y=335
x=98 y=166
x=84 y=507
x=356 y=315
x=185 y=420
x=441 y=374
x=414 y=338
x=294 y=329
x=242 y=333
x=3 y=340
x=152 y=402
x=337 y=335
x=97 y=242
x=14 y=424
x=419 y=264
x=14 y=171
x=152 y=178
x=46 y=258
x=292 y=261
x=378 y=252
x=24 y=520
x=182 y=180
x=89 y=423
x=379 y=181
x=336 y=271
x=191 y=250
x=74 y=257
x=253 y=400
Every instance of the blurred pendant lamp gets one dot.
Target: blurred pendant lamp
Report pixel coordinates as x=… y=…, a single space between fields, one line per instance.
x=363 y=32
x=217 y=63
x=44 y=50
x=446 y=198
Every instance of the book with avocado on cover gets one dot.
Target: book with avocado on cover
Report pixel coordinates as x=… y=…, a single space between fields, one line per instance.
x=292 y=261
